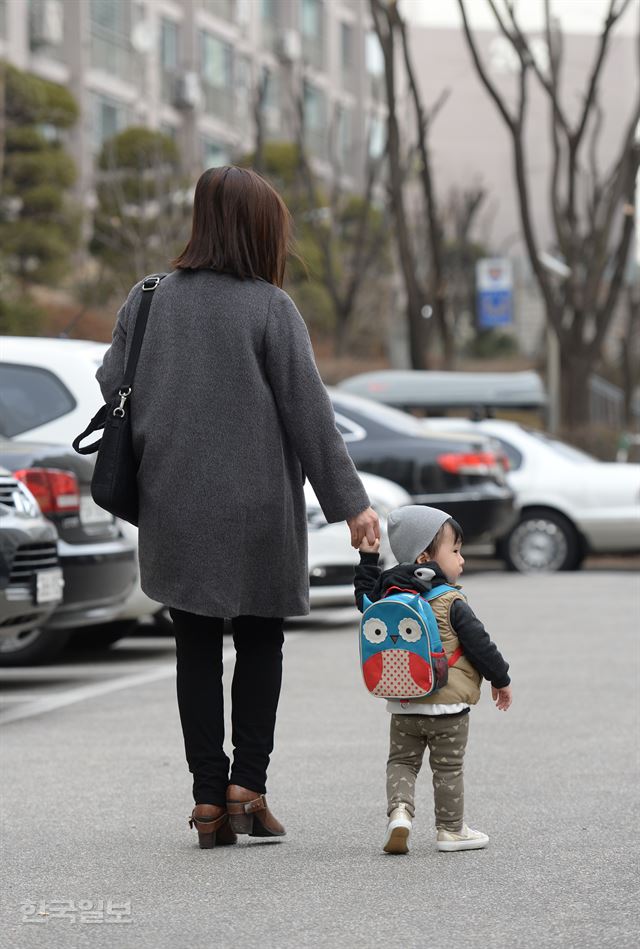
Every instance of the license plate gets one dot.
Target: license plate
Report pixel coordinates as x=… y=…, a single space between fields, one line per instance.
x=49 y=585
x=90 y=513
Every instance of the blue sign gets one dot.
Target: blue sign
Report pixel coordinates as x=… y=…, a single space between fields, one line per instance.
x=494 y=281
x=495 y=308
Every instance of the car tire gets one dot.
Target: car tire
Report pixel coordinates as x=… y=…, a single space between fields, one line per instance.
x=542 y=541
x=103 y=635
x=32 y=648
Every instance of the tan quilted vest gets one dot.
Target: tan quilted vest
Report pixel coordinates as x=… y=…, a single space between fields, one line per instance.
x=464 y=681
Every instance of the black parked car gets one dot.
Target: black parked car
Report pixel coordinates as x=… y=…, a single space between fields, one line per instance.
x=99 y=565
x=460 y=475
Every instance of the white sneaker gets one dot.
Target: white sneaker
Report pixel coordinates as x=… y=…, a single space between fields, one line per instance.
x=398 y=830
x=465 y=839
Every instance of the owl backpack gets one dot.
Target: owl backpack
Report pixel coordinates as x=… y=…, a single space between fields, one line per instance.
x=401 y=653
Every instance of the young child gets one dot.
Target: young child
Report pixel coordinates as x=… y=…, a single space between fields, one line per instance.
x=418 y=536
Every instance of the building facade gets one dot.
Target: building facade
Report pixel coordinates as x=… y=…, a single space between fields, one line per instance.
x=192 y=69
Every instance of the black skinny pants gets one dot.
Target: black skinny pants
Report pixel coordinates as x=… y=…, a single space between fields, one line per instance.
x=255 y=691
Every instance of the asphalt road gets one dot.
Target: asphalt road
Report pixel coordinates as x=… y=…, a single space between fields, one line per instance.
x=95 y=796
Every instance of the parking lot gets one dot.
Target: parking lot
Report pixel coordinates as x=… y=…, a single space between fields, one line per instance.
x=99 y=794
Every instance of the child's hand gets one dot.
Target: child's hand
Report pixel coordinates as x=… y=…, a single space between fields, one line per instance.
x=367 y=548
x=502 y=697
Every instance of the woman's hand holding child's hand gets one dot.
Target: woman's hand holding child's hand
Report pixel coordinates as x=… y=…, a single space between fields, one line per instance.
x=367 y=548
x=502 y=697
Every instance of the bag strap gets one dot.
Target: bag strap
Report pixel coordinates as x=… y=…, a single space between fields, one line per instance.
x=98 y=421
x=96 y=424
x=439 y=591
x=433 y=595
x=455 y=655
x=149 y=284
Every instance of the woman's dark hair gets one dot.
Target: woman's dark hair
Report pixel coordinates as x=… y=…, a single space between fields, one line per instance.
x=458 y=537
x=240 y=226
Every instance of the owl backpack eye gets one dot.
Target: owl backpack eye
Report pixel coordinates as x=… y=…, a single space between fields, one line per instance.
x=375 y=631
x=410 y=630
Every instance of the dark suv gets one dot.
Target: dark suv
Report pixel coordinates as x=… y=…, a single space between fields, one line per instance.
x=458 y=474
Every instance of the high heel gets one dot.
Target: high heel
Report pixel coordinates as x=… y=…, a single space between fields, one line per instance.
x=212 y=823
x=249 y=813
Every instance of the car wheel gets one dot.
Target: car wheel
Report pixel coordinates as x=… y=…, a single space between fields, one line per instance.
x=541 y=542
x=103 y=635
x=32 y=647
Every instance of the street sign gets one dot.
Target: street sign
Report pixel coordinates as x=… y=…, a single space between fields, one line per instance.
x=494 y=288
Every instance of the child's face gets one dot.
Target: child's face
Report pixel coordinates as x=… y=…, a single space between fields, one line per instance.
x=448 y=556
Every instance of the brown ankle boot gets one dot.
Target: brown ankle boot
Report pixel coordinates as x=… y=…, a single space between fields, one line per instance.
x=212 y=823
x=249 y=813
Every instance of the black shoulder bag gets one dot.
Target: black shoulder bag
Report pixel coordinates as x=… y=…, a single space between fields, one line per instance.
x=114 y=483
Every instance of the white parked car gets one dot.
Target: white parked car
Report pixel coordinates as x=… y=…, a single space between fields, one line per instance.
x=571 y=504
x=331 y=556
x=49 y=394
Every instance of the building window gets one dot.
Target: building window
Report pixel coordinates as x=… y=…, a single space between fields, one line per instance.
x=110 y=32
x=109 y=118
x=374 y=60
x=315 y=120
x=216 y=71
x=214 y=154
x=169 y=39
x=312 y=29
x=46 y=27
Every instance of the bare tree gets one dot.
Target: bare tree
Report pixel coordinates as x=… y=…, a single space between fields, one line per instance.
x=259 y=102
x=347 y=258
x=386 y=21
x=630 y=353
x=592 y=213
x=433 y=287
x=459 y=217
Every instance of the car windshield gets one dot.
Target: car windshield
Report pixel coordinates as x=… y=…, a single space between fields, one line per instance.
x=568 y=452
x=377 y=412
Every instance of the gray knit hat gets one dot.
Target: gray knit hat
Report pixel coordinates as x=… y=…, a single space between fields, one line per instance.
x=412 y=528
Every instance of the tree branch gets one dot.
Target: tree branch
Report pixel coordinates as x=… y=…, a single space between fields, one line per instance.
x=612 y=16
x=482 y=73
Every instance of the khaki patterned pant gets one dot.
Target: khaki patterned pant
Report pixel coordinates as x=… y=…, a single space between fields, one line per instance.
x=446 y=738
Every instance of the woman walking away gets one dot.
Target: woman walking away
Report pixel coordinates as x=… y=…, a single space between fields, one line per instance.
x=229 y=414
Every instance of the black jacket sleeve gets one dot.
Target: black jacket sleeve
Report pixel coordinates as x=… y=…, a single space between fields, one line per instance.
x=481 y=652
x=366 y=577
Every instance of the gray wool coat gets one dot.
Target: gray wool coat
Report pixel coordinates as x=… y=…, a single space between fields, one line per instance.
x=229 y=414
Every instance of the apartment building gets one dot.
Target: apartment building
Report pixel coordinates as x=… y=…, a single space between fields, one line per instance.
x=191 y=68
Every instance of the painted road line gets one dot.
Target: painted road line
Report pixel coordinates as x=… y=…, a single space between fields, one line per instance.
x=82 y=693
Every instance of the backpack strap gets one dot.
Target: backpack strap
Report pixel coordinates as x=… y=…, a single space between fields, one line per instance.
x=455 y=655
x=433 y=595
x=440 y=591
